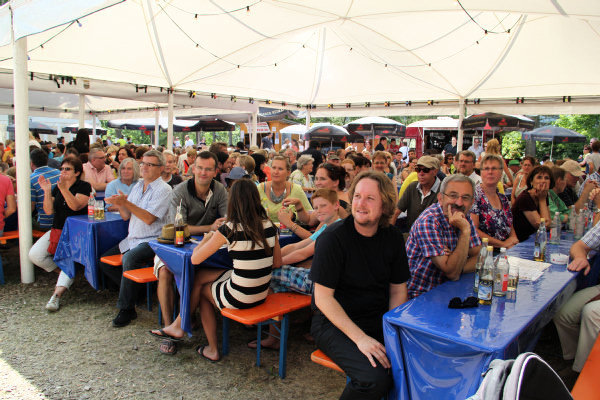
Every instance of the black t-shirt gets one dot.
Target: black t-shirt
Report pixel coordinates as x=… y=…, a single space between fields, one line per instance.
x=61 y=209
x=379 y=147
x=449 y=149
x=520 y=223
x=360 y=269
x=175 y=180
x=568 y=196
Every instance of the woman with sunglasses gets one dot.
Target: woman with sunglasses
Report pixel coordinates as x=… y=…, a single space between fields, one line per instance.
x=532 y=204
x=69 y=197
x=448 y=167
x=491 y=213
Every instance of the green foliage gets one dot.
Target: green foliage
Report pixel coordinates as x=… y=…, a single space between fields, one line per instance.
x=512 y=145
x=588 y=125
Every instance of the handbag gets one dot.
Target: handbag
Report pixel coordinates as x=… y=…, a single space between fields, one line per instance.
x=54 y=238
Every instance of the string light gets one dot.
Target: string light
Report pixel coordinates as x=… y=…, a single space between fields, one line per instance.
x=566 y=99
x=348 y=105
x=78 y=23
x=408 y=103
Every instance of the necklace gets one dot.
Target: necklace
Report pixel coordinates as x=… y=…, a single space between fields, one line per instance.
x=277 y=199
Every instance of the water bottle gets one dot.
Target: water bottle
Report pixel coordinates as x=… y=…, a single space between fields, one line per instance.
x=541 y=238
x=555 y=230
x=486 y=280
x=91 y=206
x=579 y=225
x=513 y=276
x=480 y=260
x=572 y=218
x=501 y=274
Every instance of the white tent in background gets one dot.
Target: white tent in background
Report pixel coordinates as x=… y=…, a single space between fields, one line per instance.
x=316 y=52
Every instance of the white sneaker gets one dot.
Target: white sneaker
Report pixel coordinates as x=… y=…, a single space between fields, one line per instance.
x=53 y=303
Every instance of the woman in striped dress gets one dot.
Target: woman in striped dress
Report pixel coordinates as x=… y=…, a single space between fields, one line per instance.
x=251 y=239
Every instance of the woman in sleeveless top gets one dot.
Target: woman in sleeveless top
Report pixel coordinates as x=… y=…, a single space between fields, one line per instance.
x=251 y=240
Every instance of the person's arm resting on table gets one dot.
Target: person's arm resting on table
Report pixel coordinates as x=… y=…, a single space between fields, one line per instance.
x=579 y=252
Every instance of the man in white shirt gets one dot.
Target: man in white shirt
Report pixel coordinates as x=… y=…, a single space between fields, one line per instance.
x=466 y=166
x=476 y=148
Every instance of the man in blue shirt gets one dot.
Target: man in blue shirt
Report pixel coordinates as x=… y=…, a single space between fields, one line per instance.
x=39 y=166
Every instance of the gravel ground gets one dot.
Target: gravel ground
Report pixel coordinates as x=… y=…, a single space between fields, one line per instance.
x=76 y=353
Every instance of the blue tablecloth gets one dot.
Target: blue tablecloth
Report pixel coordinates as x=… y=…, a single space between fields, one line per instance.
x=99 y=195
x=178 y=260
x=84 y=241
x=440 y=353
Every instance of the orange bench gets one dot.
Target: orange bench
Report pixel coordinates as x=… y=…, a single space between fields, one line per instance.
x=14 y=235
x=115 y=261
x=321 y=358
x=588 y=384
x=276 y=307
x=143 y=275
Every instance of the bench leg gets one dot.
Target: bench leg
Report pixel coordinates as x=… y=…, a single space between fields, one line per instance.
x=283 y=336
x=149 y=296
x=258 y=335
x=1 y=273
x=225 y=347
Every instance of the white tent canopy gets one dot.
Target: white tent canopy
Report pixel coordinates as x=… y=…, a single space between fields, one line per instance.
x=315 y=52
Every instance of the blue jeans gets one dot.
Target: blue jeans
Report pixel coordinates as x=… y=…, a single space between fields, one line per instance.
x=140 y=256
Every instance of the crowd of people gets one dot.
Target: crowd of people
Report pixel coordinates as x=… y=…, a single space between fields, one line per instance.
x=375 y=229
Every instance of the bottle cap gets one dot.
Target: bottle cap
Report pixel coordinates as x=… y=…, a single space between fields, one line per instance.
x=485 y=240
x=502 y=249
x=490 y=248
x=557 y=213
x=542 y=220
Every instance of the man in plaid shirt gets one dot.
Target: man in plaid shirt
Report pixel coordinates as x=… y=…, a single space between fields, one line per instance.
x=443 y=241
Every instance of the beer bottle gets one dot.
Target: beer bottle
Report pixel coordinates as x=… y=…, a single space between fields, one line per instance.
x=541 y=238
x=486 y=279
x=179 y=229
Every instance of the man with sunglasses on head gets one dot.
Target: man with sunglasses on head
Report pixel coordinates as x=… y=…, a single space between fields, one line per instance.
x=95 y=171
x=146 y=208
x=421 y=194
x=443 y=241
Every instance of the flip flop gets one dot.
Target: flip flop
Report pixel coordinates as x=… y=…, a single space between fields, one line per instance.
x=252 y=345
x=170 y=348
x=165 y=336
x=200 y=353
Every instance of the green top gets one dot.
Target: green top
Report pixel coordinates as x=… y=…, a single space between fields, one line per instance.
x=273 y=208
x=557 y=205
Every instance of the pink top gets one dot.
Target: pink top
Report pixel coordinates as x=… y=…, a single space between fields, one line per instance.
x=6 y=188
x=93 y=176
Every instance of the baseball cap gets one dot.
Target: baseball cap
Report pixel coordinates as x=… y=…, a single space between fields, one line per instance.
x=429 y=162
x=237 y=173
x=572 y=167
x=514 y=162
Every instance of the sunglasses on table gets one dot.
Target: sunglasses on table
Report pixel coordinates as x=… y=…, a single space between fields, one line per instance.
x=469 y=302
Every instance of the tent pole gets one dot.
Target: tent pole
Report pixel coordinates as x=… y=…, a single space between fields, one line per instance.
x=156 y=126
x=462 y=109
x=94 y=125
x=551 y=148
x=253 y=135
x=307 y=124
x=21 y=99
x=81 y=114
x=170 y=119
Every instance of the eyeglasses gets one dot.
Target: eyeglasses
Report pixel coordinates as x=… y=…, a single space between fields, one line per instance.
x=147 y=164
x=491 y=169
x=200 y=169
x=66 y=169
x=423 y=169
x=454 y=196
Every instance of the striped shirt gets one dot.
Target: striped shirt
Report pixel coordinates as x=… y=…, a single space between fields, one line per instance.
x=37 y=193
x=249 y=281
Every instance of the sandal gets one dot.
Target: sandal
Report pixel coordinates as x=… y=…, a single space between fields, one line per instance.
x=164 y=335
x=168 y=347
x=200 y=353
